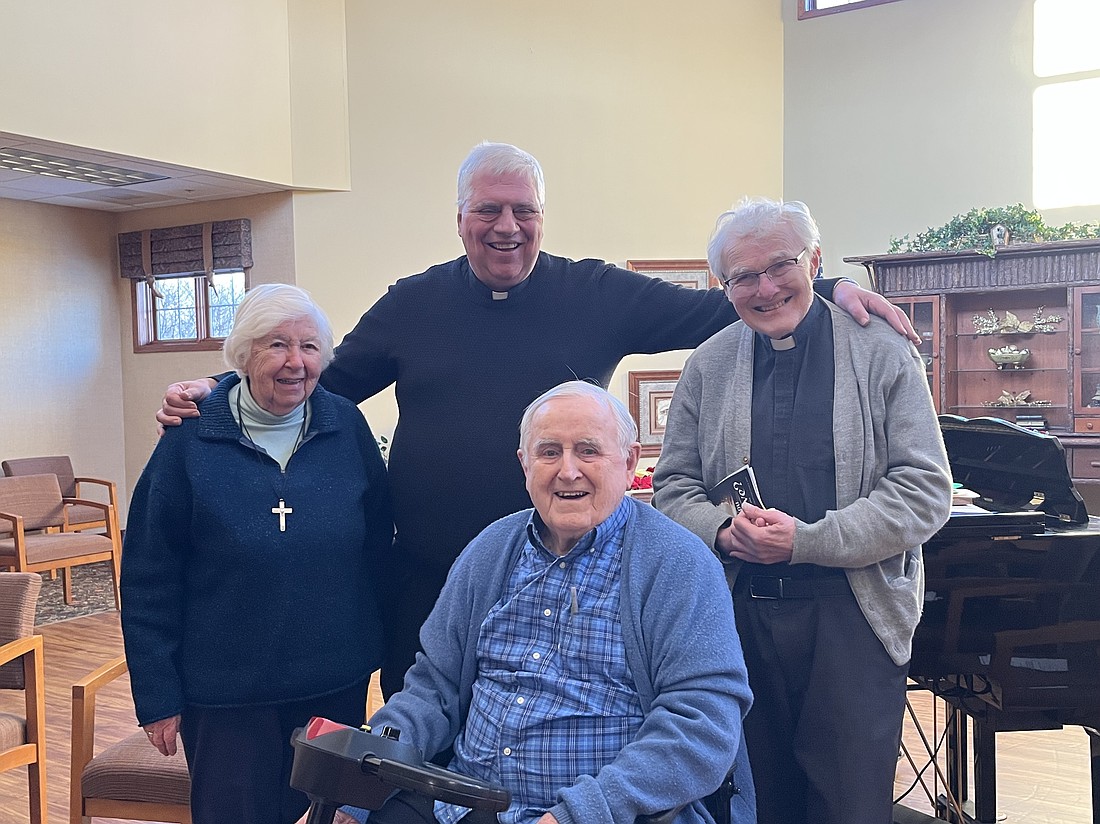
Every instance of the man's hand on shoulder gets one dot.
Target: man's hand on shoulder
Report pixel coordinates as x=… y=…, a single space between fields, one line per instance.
x=547 y=819
x=861 y=303
x=181 y=400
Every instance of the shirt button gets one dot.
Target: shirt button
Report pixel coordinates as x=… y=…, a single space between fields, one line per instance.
x=519 y=700
x=562 y=565
x=507 y=750
x=536 y=655
x=547 y=613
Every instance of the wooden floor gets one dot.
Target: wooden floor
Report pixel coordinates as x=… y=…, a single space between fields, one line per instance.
x=1043 y=777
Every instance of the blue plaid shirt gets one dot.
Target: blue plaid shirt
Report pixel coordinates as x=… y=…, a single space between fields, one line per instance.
x=554 y=698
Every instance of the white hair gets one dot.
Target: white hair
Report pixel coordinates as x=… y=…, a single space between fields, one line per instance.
x=754 y=218
x=625 y=427
x=265 y=308
x=498 y=159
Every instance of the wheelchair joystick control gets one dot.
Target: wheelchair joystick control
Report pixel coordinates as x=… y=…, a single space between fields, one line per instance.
x=336 y=765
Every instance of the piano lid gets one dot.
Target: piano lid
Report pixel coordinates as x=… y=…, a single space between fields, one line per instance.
x=1013 y=469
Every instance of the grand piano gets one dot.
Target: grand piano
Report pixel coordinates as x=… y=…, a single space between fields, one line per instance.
x=1010 y=635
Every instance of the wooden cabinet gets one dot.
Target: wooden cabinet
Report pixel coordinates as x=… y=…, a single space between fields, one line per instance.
x=924 y=314
x=1016 y=336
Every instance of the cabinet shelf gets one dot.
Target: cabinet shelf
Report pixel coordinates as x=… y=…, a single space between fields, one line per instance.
x=1027 y=369
x=990 y=410
x=1013 y=335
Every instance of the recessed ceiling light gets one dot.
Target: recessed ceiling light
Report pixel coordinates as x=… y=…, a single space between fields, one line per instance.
x=79 y=170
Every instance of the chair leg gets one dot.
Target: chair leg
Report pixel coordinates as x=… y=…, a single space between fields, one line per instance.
x=116 y=574
x=36 y=778
x=67 y=584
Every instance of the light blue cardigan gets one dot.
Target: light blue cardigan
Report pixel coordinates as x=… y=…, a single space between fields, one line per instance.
x=682 y=647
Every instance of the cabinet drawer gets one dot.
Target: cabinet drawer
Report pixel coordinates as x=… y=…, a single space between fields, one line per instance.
x=1085 y=462
x=1086 y=425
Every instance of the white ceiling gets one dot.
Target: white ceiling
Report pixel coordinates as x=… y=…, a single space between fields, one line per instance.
x=181 y=184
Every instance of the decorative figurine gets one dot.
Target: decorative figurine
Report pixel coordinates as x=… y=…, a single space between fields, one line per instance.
x=1095 y=399
x=1009 y=357
x=990 y=324
x=1011 y=399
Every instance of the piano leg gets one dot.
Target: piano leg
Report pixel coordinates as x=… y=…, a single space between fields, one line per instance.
x=985 y=773
x=956 y=769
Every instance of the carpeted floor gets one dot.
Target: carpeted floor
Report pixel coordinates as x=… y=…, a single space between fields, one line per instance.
x=92 y=593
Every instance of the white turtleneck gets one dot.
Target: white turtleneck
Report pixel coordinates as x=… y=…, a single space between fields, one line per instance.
x=276 y=435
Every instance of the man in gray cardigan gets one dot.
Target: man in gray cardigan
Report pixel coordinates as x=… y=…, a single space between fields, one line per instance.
x=828 y=580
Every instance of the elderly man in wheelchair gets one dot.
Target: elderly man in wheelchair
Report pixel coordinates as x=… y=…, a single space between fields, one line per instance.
x=583 y=655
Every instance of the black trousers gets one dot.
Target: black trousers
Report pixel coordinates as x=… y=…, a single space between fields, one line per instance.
x=825 y=727
x=409 y=599
x=240 y=758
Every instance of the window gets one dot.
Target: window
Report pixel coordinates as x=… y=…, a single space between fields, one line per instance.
x=191 y=313
x=1066 y=105
x=816 y=8
x=187 y=282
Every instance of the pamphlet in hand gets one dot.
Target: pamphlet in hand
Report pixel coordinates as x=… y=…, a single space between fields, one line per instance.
x=734 y=490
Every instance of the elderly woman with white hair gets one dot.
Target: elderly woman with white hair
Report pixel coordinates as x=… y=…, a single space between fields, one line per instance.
x=254 y=546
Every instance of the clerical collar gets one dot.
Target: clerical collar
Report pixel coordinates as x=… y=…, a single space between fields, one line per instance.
x=802 y=333
x=485 y=293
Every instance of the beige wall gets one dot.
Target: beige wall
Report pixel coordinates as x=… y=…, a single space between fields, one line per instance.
x=898 y=117
x=254 y=88
x=649 y=118
x=59 y=338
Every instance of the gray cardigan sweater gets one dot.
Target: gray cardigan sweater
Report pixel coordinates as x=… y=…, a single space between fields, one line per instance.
x=893 y=484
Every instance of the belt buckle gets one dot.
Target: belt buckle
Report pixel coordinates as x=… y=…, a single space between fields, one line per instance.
x=774 y=594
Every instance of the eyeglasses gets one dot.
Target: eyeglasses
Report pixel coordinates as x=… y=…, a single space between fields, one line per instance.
x=780 y=273
x=490 y=213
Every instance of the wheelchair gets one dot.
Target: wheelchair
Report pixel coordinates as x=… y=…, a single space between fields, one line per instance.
x=337 y=765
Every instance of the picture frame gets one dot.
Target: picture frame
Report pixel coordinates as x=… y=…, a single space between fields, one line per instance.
x=694 y=274
x=649 y=395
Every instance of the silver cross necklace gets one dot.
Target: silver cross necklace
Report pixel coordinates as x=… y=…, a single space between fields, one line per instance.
x=282 y=510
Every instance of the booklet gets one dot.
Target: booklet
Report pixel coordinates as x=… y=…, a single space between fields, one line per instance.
x=734 y=490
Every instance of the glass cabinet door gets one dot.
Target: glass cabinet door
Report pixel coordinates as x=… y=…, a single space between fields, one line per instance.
x=924 y=314
x=1086 y=357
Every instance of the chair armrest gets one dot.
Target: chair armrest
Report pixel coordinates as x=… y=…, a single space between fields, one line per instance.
x=20 y=647
x=16 y=521
x=103 y=482
x=16 y=533
x=83 y=721
x=109 y=485
x=30 y=649
x=106 y=508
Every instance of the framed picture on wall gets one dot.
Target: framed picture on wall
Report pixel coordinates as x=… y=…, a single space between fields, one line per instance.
x=693 y=274
x=650 y=393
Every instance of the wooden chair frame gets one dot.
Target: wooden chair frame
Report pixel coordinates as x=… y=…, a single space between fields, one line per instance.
x=83 y=749
x=21 y=564
x=33 y=753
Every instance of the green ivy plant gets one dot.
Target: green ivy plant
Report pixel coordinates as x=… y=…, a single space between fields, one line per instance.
x=971 y=231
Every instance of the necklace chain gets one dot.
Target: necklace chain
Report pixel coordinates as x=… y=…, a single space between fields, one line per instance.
x=282 y=510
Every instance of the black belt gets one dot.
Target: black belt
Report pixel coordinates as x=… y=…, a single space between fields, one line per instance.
x=767 y=586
